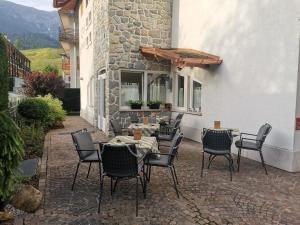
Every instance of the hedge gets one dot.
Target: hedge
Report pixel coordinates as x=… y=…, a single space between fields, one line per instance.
x=71 y=100
x=3 y=74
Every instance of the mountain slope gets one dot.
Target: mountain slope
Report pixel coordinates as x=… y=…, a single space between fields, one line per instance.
x=24 y=22
x=40 y=58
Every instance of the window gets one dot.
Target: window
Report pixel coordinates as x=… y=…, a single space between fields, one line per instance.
x=86 y=2
x=131 y=87
x=157 y=87
x=90 y=16
x=196 y=102
x=180 y=91
x=90 y=37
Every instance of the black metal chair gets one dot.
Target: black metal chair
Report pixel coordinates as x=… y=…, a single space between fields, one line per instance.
x=122 y=162
x=217 y=143
x=255 y=143
x=165 y=160
x=168 y=137
x=86 y=150
x=173 y=123
x=117 y=128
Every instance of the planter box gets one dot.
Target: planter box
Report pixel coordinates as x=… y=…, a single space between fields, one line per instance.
x=136 y=106
x=154 y=106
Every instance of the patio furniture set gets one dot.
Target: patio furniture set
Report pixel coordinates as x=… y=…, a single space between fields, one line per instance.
x=132 y=152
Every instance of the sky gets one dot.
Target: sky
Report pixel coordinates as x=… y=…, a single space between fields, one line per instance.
x=38 y=4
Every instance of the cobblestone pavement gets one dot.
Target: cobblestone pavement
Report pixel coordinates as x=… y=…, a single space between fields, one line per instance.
x=251 y=198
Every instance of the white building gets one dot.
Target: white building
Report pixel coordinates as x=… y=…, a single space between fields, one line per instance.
x=257 y=82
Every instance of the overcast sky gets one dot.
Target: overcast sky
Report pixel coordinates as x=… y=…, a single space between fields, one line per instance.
x=39 y=4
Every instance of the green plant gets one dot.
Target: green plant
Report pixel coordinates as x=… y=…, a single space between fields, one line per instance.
x=154 y=102
x=50 y=69
x=34 y=109
x=11 y=154
x=4 y=80
x=33 y=140
x=56 y=113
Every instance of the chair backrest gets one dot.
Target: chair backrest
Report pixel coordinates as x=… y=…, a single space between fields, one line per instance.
x=134 y=118
x=119 y=160
x=177 y=124
x=179 y=116
x=83 y=141
x=151 y=119
x=117 y=129
x=174 y=147
x=262 y=133
x=217 y=139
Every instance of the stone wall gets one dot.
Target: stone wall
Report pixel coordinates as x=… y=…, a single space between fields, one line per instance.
x=132 y=24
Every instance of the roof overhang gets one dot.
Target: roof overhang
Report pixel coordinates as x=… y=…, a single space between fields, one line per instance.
x=182 y=57
x=65 y=5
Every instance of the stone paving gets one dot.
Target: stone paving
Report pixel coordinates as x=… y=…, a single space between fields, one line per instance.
x=251 y=198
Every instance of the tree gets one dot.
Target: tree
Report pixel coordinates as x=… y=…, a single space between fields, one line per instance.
x=43 y=84
x=18 y=44
x=50 y=69
x=4 y=80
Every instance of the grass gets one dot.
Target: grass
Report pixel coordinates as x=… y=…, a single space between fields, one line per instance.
x=42 y=57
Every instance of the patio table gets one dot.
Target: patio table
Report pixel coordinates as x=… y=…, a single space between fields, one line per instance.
x=144 y=146
x=147 y=129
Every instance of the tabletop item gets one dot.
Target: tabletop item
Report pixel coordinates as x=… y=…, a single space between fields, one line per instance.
x=217 y=124
x=137 y=134
x=145 y=120
x=146 y=129
x=144 y=146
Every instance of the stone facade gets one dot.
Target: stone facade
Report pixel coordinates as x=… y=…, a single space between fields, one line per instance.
x=121 y=28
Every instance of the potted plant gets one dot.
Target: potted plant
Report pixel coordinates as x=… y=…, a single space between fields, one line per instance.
x=135 y=104
x=154 y=104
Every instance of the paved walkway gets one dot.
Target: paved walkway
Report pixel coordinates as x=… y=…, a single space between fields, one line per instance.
x=251 y=198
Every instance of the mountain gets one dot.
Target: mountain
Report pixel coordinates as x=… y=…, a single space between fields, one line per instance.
x=31 y=27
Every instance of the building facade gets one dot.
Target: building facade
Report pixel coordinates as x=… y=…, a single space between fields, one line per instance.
x=256 y=83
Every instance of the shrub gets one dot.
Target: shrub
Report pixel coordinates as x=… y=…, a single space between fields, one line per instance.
x=4 y=81
x=56 y=113
x=43 y=84
x=34 y=109
x=11 y=154
x=50 y=69
x=33 y=141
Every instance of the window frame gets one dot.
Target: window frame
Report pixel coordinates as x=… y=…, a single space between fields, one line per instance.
x=145 y=85
x=191 y=105
x=184 y=107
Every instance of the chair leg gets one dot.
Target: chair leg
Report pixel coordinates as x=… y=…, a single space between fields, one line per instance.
x=137 y=197
x=100 y=194
x=175 y=174
x=229 y=158
x=149 y=175
x=239 y=159
x=202 y=164
x=75 y=176
x=145 y=183
x=263 y=161
x=111 y=186
x=175 y=185
x=87 y=176
x=211 y=158
x=115 y=186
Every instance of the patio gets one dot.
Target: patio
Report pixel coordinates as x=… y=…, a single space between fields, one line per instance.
x=251 y=198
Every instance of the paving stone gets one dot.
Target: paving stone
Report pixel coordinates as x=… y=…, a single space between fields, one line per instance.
x=252 y=198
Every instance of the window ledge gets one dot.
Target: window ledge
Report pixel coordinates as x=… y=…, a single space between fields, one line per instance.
x=141 y=110
x=187 y=112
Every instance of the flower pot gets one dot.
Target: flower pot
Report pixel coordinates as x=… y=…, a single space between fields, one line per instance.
x=136 y=106
x=154 y=106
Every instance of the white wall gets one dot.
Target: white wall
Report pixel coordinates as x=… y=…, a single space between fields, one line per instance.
x=87 y=81
x=257 y=82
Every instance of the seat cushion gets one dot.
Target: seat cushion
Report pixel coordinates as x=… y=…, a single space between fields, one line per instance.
x=216 y=152
x=246 y=145
x=93 y=157
x=161 y=161
x=165 y=137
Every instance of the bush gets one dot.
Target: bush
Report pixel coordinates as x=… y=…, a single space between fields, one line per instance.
x=4 y=82
x=33 y=141
x=50 y=69
x=56 y=113
x=12 y=151
x=34 y=109
x=71 y=100
x=42 y=84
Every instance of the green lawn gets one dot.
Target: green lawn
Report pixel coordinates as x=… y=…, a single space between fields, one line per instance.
x=42 y=57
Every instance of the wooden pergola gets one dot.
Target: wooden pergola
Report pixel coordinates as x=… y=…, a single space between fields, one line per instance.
x=182 y=57
x=62 y=3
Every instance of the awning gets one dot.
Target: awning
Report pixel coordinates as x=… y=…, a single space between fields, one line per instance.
x=182 y=57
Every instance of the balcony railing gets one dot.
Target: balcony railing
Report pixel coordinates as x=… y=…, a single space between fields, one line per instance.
x=69 y=35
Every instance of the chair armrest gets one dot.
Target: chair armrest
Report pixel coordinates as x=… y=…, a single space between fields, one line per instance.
x=250 y=139
x=249 y=134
